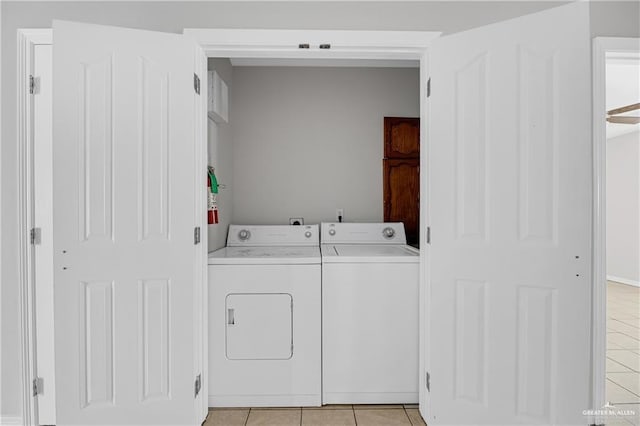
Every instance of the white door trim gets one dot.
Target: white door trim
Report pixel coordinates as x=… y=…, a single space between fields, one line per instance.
x=602 y=46
x=424 y=289
x=285 y=44
x=27 y=40
x=345 y=45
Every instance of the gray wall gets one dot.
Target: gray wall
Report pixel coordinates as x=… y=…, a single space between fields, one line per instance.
x=221 y=157
x=309 y=140
x=608 y=18
x=623 y=207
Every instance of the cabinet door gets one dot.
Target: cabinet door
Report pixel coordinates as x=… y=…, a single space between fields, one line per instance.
x=401 y=190
x=401 y=137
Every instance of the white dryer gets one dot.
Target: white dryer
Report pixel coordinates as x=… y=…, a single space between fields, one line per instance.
x=370 y=309
x=264 y=318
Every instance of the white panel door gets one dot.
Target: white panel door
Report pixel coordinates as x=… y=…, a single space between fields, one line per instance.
x=126 y=182
x=510 y=194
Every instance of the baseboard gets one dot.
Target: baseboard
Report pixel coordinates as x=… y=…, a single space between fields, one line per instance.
x=370 y=398
x=265 y=400
x=5 y=420
x=623 y=280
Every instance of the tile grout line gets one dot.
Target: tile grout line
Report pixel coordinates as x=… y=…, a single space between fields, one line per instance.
x=624 y=321
x=624 y=334
x=246 y=420
x=628 y=390
x=633 y=370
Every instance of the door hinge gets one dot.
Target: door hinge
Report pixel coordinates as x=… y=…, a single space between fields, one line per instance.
x=429 y=87
x=32 y=84
x=428 y=235
x=196 y=235
x=198 y=385
x=35 y=236
x=196 y=83
x=427 y=382
x=38 y=386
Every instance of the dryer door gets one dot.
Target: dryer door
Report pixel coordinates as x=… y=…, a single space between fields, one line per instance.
x=259 y=326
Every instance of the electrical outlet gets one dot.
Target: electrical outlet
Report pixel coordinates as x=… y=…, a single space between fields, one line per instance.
x=339 y=215
x=296 y=221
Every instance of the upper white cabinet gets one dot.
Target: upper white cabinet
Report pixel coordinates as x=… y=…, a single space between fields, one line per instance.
x=218 y=98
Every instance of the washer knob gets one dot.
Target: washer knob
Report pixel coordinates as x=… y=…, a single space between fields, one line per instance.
x=307 y=234
x=332 y=232
x=244 y=234
x=388 y=232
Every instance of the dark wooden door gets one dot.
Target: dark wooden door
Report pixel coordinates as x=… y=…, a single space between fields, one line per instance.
x=401 y=174
x=402 y=195
x=401 y=137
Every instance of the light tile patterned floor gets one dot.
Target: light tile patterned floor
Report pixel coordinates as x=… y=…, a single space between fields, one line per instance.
x=623 y=350
x=329 y=415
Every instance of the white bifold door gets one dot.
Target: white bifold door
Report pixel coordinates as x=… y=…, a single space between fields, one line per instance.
x=509 y=175
x=128 y=173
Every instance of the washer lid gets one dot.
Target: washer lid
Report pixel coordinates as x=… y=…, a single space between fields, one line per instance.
x=361 y=253
x=284 y=255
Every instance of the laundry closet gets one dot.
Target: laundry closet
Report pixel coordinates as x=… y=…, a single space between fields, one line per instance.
x=291 y=145
x=304 y=141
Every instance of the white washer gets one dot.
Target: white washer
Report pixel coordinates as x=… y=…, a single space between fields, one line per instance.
x=264 y=320
x=369 y=314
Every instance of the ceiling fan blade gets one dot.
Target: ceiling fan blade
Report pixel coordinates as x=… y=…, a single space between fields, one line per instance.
x=623 y=120
x=627 y=108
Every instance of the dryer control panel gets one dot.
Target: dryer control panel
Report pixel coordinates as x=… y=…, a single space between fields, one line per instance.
x=273 y=235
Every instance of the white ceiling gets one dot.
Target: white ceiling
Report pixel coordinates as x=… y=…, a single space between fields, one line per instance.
x=623 y=88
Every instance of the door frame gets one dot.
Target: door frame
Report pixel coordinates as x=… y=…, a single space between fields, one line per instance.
x=28 y=39
x=601 y=48
x=350 y=45
x=229 y=43
x=286 y=44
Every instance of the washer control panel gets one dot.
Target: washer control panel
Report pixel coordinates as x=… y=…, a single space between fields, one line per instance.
x=388 y=233
x=363 y=233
